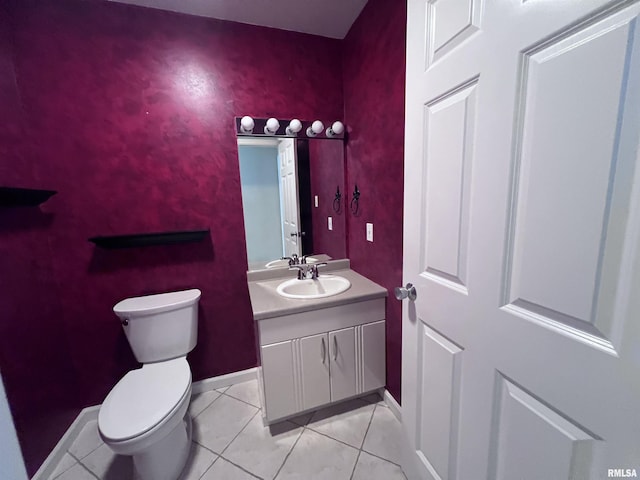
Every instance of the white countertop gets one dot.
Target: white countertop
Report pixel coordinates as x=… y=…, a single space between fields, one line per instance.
x=266 y=303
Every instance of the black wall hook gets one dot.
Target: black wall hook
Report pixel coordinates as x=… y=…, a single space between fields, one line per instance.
x=337 y=200
x=355 y=201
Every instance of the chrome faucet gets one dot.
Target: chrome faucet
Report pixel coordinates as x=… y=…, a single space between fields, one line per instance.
x=293 y=259
x=303 y=271
x=307 y=271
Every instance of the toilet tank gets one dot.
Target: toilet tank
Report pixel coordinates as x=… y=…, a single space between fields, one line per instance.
x=160 y=327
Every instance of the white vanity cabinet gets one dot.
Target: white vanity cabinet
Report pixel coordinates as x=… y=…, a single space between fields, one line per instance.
x=318 y=357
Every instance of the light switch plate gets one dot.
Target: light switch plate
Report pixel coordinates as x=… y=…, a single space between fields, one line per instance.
x=370 y=232
x=330 y=223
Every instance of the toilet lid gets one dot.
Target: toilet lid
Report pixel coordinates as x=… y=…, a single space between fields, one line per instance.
x=143 y=398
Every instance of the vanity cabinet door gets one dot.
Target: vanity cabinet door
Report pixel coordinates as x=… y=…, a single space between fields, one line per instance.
x=343 y=363
x=279 y=379
x=373 y=356
x=315 y=358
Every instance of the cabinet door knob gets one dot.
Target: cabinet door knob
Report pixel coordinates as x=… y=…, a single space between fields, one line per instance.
x=323 y=351
x=403 y=292
x=335 y=348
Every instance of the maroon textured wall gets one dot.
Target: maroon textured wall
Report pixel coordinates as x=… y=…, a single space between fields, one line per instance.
x=374 y=73
x=128 y=113
x=327 y=172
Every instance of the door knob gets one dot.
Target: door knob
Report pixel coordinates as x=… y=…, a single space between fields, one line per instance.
x=404 y=292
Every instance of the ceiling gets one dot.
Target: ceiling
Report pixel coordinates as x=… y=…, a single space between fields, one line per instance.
x=327 y=18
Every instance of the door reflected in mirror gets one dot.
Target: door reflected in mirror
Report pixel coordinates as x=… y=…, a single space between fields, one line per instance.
x=289 y=200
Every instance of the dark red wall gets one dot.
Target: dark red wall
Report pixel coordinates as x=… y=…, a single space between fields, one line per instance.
x=327 y=173
x=374 y=73
x=128 y=113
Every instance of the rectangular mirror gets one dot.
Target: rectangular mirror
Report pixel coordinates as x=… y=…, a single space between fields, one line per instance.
x=292 y=198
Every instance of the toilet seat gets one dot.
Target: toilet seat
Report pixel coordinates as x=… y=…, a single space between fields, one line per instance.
x=143 y=398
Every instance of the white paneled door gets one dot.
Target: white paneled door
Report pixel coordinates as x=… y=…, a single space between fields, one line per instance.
x=288 y=161
x=521 y=353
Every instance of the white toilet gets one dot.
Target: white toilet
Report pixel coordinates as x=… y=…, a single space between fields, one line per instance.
x=145 y=414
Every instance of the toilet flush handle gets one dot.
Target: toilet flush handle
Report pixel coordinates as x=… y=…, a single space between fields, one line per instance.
x=125 y=321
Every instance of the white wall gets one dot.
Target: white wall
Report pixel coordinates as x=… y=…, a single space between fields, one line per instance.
x=11 y=463
x=261 y=202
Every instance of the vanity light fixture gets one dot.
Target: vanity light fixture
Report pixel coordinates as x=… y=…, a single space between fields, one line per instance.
x=272 y=126
x=315 y=129
x=336 y=129
x=294 y=127
x=247 y=124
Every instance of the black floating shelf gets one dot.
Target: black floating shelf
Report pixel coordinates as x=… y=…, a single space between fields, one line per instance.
x=147 y=239
x=23 y=197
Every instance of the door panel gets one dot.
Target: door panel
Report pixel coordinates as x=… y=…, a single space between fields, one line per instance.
x=343 y=363
x=288 y=161
x=451 y=22
x=449 y=145
x=562 y=450
x=521 y=169
x=372 y=345
x=279 y=379
x=439 y=398
x=314 y=361
x=568 y=160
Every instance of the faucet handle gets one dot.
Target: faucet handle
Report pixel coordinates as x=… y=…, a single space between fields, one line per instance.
x=302 y=271
x=293 y=259
x=304 y=258
x=314 y=268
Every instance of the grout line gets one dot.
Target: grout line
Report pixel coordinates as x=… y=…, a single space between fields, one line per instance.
x=68 y=468
x=208 y=404
x=87 y=469
x=212 y=402
x=241 y=400
x=240 y=467
x=373 y=412
x=355 y=465
x=207 y=448
x=331 y=438
x=289 y=453
x=238 y=434
x=382 y=458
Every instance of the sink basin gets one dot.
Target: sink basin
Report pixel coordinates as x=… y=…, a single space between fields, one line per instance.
x=323 y=286
x=285 y=263
x=277 y=263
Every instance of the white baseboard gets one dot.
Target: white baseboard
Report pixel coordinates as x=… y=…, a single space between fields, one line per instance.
x=392 y=404
x=221 y=381
x=49 y=465
x=91 y=413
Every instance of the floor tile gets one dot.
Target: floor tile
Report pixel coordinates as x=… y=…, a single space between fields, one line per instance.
x=221 y=421
x=347 y=421
x=246 y=391
x=65 y=463
x=200 y=401
x=374 y=468
x=223 y=470
x=319 y=457
x=261 y=450
x=222 y=389
x=77 y=472
x=200 y=459
x=87 y=441
x=107 y=465
x=385 y=436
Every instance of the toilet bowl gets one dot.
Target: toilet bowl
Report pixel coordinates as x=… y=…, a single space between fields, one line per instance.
x=145 y=415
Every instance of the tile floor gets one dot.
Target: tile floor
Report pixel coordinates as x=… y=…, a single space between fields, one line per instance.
x=355 y=440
